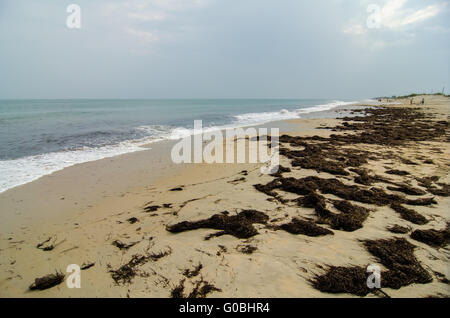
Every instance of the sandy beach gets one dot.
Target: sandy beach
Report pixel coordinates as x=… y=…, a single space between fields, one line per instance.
x=351 y=192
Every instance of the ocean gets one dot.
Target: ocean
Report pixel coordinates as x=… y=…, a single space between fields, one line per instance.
x=39 y=137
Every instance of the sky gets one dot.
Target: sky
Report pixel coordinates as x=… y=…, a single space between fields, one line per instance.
x=224 y=48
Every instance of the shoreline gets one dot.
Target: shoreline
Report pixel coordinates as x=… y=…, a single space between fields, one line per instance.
x=85 y=230
x=140 y=145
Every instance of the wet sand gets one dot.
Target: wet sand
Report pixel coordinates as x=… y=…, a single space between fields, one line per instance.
x=294 y=235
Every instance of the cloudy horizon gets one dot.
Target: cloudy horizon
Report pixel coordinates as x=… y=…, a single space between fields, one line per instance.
x=224 y=49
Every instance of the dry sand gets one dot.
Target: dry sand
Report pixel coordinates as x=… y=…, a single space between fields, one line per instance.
x=86 y=208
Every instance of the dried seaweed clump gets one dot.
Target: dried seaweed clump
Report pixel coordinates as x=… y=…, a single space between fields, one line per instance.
x=398 y=172
x=246 y=249
x=47 y=281
x=433 y=237
x=305 y=186
x=409 y=214
x=240 y=225
x=430 y=184
x=201 y=289
x=391 y=126
x=397 y=255
x=338 y=279
x=308 y=228
x=125 y=273
x=351 y=217
x=193 y=273
x=398 y=229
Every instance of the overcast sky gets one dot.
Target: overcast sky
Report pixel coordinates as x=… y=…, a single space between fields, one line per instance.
x=223 y=49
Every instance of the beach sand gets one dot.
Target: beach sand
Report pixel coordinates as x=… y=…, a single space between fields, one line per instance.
x=115 y=213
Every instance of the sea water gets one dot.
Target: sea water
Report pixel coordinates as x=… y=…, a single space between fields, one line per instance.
x=38 y=137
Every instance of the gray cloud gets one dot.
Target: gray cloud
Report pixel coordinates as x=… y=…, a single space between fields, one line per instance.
x=222 y=48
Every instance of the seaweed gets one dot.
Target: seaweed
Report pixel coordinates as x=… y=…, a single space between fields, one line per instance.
x=422 y=201
x=240 y=225
x=397 y=255
x=397 y=229
x=202 y=288
x=432 y=237
x=125 y=273
x=86 y=266
x=351 y=218
x=246 y=249
x=178 y=291
x=407 y=190
x=132 y=220
x=152 y=208
x=308 y=228
x=409 y=214
x=398 y=172
x=305 y=186
x=338 y=279
x=193 y=273
x=47 y=281
x=123 y=246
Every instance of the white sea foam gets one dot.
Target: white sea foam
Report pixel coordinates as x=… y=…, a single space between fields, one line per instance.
x=23 y=170
x=262 y=118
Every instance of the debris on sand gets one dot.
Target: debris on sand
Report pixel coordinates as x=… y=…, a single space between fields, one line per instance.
x=424 y=201
x=123 y=246
x=47 y=281
x=311 y=200
x=151 y=208
x=240 y=225
x=202 y=289
x=280 y=171
x=407 y=190
x=237 y=181
x=409 y=214
x=176 y=189
x=246 y=249
x=444 y=191
x=178 y=291
x=397 y=255
x=433 y=237
x=308 y=228
x=442 y=278
x=125 y=273
x=430 y=184
x=305 y=186
x=365 y=178
x=86 y=266
x=397 y=229
x=398 y=172
x=156 y=256
x=132 y=220
x=350 y=219
x=193 y=273
x=46 y=246
x=427 y=182
x=352 y=280
x=44 y=242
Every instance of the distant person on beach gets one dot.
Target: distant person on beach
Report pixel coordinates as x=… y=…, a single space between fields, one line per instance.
x=423 y=101
x=411 y=101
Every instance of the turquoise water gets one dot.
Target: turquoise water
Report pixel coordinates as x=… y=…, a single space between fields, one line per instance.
x=38 y=137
